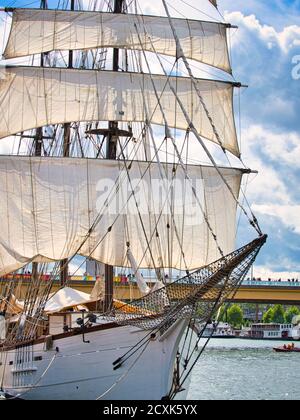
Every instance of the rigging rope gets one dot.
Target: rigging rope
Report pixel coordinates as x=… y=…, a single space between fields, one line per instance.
x=253 y=222
x=211 y=286
x=169 y=135
x=202 y=12
x=125 y=374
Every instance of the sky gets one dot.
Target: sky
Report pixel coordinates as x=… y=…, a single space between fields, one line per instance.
x=265 y=56
x=265 y=53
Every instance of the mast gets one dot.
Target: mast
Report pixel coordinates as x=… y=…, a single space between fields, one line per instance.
x=38 y=141
x=64 y=267
x=111 y=153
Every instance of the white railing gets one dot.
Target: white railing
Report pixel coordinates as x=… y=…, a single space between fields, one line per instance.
x=271 y=283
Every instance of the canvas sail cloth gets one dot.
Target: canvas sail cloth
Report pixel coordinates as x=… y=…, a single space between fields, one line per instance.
x=32 y=97
x=67 y=298
x=37 y=31
x=49 y=204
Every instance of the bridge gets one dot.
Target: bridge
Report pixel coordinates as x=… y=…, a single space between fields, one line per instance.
x=250 y=292
x=269 y=292
x=259 y=292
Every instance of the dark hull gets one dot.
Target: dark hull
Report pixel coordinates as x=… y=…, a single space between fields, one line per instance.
x=283 y=350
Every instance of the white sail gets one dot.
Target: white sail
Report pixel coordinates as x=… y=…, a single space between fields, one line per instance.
x=37 y=31
x=45 y=96
x=49 y=205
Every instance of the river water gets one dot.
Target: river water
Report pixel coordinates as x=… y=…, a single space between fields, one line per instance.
x=237 y=369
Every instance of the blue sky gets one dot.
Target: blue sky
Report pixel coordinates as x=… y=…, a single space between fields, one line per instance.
x=265 y=50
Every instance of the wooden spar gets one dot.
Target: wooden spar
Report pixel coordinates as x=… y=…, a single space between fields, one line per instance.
x=64 y=266
x=111 y=153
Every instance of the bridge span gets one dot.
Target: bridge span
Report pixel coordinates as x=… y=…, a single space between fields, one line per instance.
x=286 y=293
x=265 y=292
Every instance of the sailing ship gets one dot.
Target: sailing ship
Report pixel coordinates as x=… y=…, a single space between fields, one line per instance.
x=104 y=171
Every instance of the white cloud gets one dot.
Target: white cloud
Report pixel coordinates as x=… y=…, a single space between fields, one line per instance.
x=271 y=191
x=268 y=186
x=266 y=272
x=289 y=215
x=286 y=39
x=281 y=147
x=274 y=153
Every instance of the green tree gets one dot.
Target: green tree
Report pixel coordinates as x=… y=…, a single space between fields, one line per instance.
x=235 y=315
x=268 y=316
x=290 y=313
x=278 y=314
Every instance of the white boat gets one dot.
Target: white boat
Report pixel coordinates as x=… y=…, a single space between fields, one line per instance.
x=272 y=331
x=92 y=180
x=218 y=330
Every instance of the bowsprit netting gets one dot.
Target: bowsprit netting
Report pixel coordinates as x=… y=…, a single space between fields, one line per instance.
x=202 y=291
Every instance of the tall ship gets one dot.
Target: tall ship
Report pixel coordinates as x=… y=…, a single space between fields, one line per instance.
x=116 y=157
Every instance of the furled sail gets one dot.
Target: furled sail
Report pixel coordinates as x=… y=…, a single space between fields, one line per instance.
x=141 y=282
x=46 y=96
x=50 y=204
x=37 y=31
